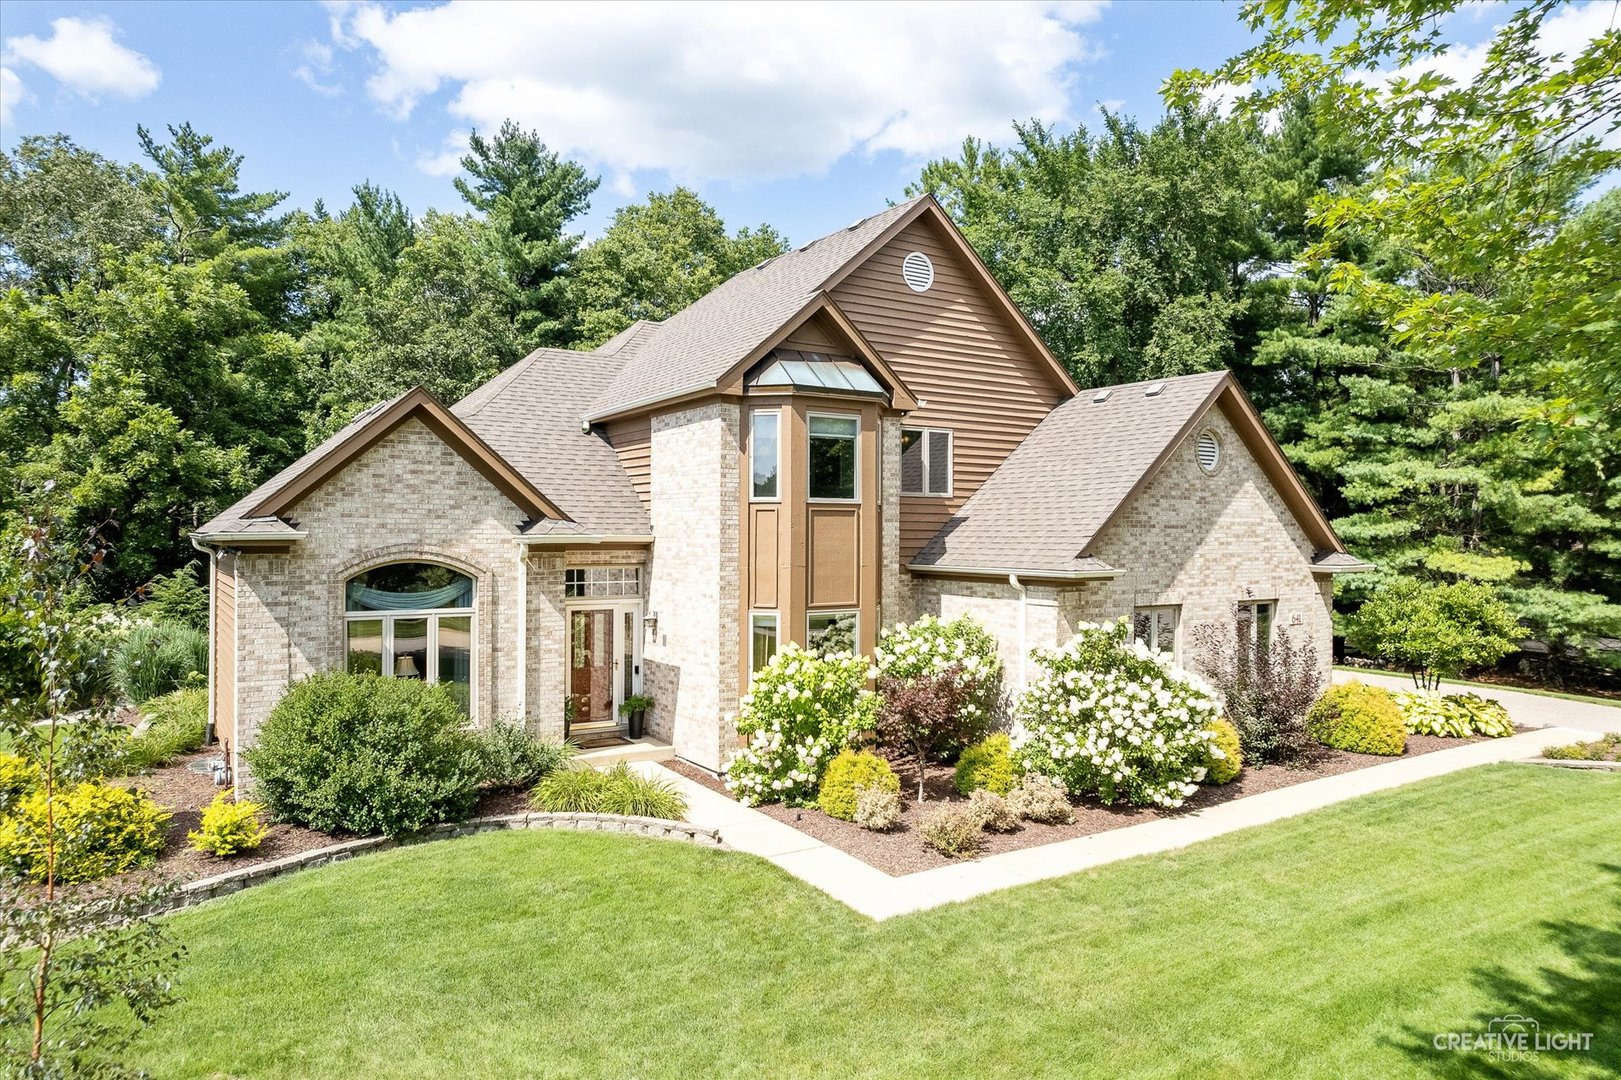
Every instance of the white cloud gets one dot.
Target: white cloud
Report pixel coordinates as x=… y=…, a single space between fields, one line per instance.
x=12 y=94
x=317 y=66
x=83 y=55
x=728 y=91
x=447 y=160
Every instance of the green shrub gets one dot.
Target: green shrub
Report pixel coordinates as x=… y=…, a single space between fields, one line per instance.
x=366 y=754
x=877 y=809
x=584 y=790
x=1359 y=718
x=846 y=774
x=952 y=830
x=1043 y=799
x=100 y=829
x=992 y=811
x=1603 y=748
x=18 y=778
x=510 y=758
x=1456 y=716
x=177 y=598
x=987 y=764
x=229 y=827
x=1112 y=717
x=932 y=646
x=1225 y=757
x=175 y=724
x=800 y=711
x=1434 y=631
x=157 y=658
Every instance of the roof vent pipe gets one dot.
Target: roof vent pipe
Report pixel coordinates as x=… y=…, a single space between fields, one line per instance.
x=1101 y=396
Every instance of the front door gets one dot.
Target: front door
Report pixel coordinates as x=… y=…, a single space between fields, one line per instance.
x=603 y=665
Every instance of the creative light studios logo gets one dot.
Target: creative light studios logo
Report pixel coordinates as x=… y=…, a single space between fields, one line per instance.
x=1514 y=1038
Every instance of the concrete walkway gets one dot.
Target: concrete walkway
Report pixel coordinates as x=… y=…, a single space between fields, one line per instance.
x=1529 y=710
x=877 y=895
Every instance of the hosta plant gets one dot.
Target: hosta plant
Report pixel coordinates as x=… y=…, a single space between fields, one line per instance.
x=1113 y=717
x=1456 y=716
x=800 y=711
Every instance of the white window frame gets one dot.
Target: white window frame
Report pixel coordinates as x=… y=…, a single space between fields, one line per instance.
x=1152 y=611
x=431 y=675
x=929 y=435
x=855 y=634
x=1255 y=607
x=856 y=500
x=776 y=624
x=776 y=419
x=620 y=570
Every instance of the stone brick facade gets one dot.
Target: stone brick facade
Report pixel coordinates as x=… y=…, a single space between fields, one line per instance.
x=894 y=601
x=1196 y=541
x=408 y=497
x=691 y=659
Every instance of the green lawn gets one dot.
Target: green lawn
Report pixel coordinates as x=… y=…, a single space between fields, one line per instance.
x=1537 y=690
x=1329 y=945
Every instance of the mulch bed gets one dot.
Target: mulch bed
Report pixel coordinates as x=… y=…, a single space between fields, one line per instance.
x=185 y=794
x=903 y=851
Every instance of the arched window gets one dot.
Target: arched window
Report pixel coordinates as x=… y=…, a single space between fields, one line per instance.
x=412 y=621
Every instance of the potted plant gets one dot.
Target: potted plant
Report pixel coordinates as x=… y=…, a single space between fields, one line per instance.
x=635 y=711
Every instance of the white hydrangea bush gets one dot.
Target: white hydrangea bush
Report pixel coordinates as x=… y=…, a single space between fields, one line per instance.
x=1115 y=718
x=933 y=646
x=800 y=711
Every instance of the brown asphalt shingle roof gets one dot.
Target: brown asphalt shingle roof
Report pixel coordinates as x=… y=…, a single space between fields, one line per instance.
x=1044 y=505
x=692 y=349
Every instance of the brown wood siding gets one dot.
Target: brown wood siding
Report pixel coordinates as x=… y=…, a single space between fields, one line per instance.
x=765 y=548
x=959 y=355
x=834 y=556
x=632 y=440
x=814 y=335
x=222 y=659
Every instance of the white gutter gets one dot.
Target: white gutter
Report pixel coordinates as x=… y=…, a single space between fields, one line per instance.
x=564 y=539
x=1008 y=571
x=228 y=538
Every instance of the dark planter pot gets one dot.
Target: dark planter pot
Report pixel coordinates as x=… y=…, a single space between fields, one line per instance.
x=637 y=719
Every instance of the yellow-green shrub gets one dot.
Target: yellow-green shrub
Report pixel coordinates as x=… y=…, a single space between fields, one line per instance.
x=100 y=830
x=987 y=764
x=846 y=774
x=1361 y=719
x=18 y=776
x=229 y=826
x=1225 y=757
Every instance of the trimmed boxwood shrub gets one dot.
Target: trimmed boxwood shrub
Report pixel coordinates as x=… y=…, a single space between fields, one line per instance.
x=988 y=764
x=1225 y=757
x=366 y=754
x=846 y=775
x=100 y=830
x=156 y=658
x=1359 y=718
x=1111 y=716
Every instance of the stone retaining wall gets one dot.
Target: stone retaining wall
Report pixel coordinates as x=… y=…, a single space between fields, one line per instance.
x=231 y=881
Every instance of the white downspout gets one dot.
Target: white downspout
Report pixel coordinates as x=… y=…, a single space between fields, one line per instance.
x=523 y=636
x=1024 y=653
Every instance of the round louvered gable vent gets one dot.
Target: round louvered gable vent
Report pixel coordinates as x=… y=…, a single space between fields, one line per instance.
x=1209 y=451
x=918 y=271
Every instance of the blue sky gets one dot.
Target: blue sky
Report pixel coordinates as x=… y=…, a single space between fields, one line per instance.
x=807 y=116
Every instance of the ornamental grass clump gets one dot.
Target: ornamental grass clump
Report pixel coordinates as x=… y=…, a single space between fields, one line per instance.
x=800 y=711
x=1112 y=717
x=960 y=647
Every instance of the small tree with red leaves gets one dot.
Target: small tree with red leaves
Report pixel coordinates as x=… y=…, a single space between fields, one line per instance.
x=924 y=714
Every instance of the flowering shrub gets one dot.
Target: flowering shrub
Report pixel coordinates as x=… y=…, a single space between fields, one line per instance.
x=877 y=808
x=801 y=710
x=932 y=646
x=1112 y=716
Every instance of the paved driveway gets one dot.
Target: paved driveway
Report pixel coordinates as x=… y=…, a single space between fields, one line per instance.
x=1532 y=710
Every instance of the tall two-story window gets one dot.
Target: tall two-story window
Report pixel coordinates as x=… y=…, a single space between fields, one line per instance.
x=832 y=456
x=765 y=453
x=925 y=461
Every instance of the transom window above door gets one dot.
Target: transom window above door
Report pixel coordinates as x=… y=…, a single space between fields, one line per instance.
x=925 y=461
x=412 y=621
x=593 y=581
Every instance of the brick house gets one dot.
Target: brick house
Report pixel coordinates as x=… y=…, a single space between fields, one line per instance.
x=841 y=438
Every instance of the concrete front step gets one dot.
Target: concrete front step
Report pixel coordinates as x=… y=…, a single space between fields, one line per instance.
x=643 y=749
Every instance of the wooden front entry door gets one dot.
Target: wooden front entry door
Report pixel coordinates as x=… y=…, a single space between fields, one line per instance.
x=591 y=668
